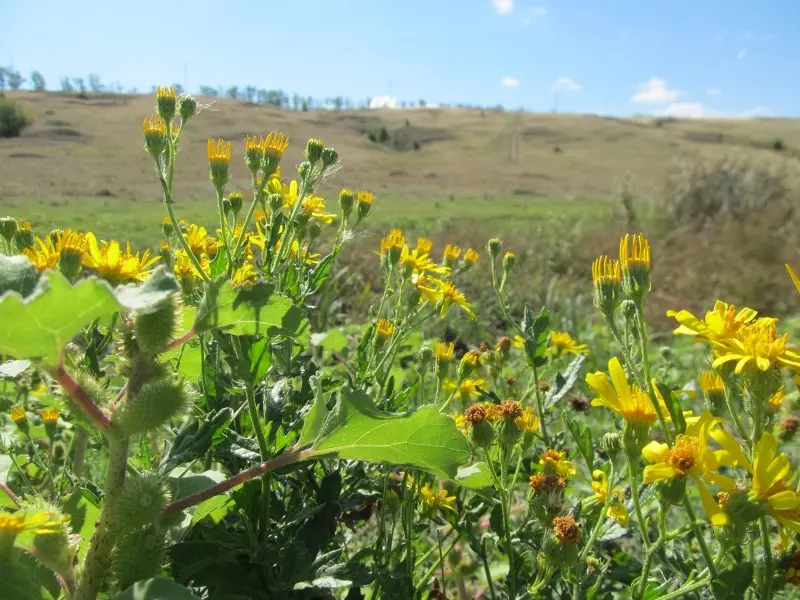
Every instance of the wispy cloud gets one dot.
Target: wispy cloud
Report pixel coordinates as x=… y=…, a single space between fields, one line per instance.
x=655 y=91
x=503 y=7
x=712 y=91
x=532 y=14
x=698 y=110
x=566 y=84
x=742 y=53
x=509 y=81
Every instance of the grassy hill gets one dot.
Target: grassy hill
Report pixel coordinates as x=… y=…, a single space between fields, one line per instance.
x=85 y=156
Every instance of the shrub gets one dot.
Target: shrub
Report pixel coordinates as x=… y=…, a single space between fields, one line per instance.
x=12 y=119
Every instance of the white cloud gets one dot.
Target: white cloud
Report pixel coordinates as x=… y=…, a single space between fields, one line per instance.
x=742 y=54
x=697 y=110
x=566 y=84
x=713 y=91
x=655 y=91
x=383 y=102
x=533 y=14
x=503 y=7
x=509 y=81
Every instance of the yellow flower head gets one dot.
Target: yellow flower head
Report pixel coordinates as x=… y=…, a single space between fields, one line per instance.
x=631 y=402
x=114 y=264
x=43 y=254
x=49 y=415
x=721 y=323
x=314 y=207
x=37 y=523
x=471 y=256
x=599 y=486
x=166 y=92
x=444 y=351
x=200 y=242
x=385 y=329
x=245 y=275
x=154 y=127
x=448 y=295
x=757 y=347
x=440 y=500
x=417 y=262
x=554 y=461
x=395 y=240
x=424 y=245
x=219 y=153
x=70 y=241
x=561 y=342
x=634 y=251
x=605 y=269
x=467 y=388
x=451 y=253
x=184 y=268
x=275 y=144
x=364 y=198
x=619 y=512
x=527 y=422
x=711 y=383
x=18 y=414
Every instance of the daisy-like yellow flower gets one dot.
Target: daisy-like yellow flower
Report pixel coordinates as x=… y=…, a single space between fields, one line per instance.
x=471 y=256
x=451 y=253
x=467 y=388
x=444 y=351
x=43 y=254
x=200 y=242
x=691 y=456
x=440 y=500
x=771 y=474
x=561 y=342
x=449 y=295
x=606 y=270
x=49 y=415
x=555 y=461
x=634 y=252
x=37 y=523
x=424 y=245
x=721 y=323
x=275 y=144
x=600 y=490
x=70 y=241
x=311 y=259
x=417 y=261
x=527 y=422
x=364 y=198
x=244 y=275
x=18 y=415
x=184 y=267
x=393 y=242
x=314 y=207
x=114 y=265
x=758 y=346
x=711 y=383
x=219 y=153
x=385 y=329
x=631 y=402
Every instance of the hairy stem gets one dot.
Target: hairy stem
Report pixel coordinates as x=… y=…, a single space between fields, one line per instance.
x=87 y=406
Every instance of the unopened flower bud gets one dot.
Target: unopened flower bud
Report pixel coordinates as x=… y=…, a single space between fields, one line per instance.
x=314 y=149
x=219 y=160
x=611 y=443
x=329 y=157
x=470 y=362
x=607 y=283
x=167 y=102
x=275 y=202
x=23 y=239
x=20 y=418
x=8 y=227
x=304 y=169
x=187 y=108
x=494 y=246
x=166 y=227
x=634 y=259
x=226 y=206
x=364 y=204
x=155 y=135
x=509 y=260
x=346 y=201
x=424 y=357
x=235 y=199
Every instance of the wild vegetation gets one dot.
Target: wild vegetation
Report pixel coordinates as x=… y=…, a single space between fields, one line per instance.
x=235 y=416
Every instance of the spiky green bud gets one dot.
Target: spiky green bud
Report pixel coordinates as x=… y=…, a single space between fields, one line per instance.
x=155 y=404
x=140 y=502
x=154 y=329
x=275 y=202
x=187 y=108
x=494 y=246
x=346 y=201
x=139 y=555
x=8 y=227
x=235 y=199
x=314 y=149
x=329 y=157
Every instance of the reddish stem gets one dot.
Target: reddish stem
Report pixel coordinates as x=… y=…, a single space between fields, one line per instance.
x=177 y=342
x=81 y=398
x=287 y=458
x=7 y=491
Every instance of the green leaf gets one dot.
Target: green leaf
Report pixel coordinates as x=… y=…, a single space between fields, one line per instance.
x=565 y=381
x=474 y=477
x=17 y=274
x=83 y=516
x=14 y=368
x=187 y=357
x=731 y=583
x=319 y=275
x=424 y=438
x=535 y=334
x=146 y=297
x=19 y=581
x=191 y=484
x=583 y=438
x=315 y=417
x=158 y=588
x=216 y=508
x=39 y=326
x=256 y=310
x=673 y=406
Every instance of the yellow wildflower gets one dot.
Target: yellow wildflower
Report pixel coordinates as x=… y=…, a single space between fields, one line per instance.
x=314 y=207
x=37 y=523
x=114 y=265
x=364 y=197
x=244 y=275
x=711 y=383
x=634 y=252
x=424 y=245
x=721 y=323
x=451 y=253
x=561 y=342
x=631 y=402
x=49 y=415
x=471 y=256
x=417 y=261
x=440 y=500
x=219 y=152
x=605 y=269
x=43 y=254
x=200 y=242
x=449 y=295
x=385 y=329
x=444 y=351
x=275 y=144
x=394 y=241
x=555 y=461
x=184 y=267
x=757 y=346
x=527 y=422
x=18 y=414
x=468 y=388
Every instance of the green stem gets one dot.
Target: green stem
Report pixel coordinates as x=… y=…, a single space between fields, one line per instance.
x=437 y=563
x=734 y=414
x=487 y=571
x=540 y=405
x=98 y=558
x=699 y=537
x=637 y=504
x=685 y=589
x=642 y=330
x=648 y=560
x=766 y=583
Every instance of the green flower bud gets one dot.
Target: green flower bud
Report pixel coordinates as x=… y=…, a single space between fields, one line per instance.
x=364 y=204
x=671 y=491
x=96 y=392
x=140 y=502
x=634 y=258
x=304 y=169
x=494 y=246
x=424 y=357
x=235 y=199
x=470 y=363
x=56 y=550
x=509 y=260
x=187 y=108
x=154 y=329
x=155 y=404
x=346 y=201
x=167 y=102
x=275 y=202
x=139 y=555
x=226 y=206
x=611 y=443
x=314 y=149
x=8 y=227
x=392 y=501
x=329 y=157
x=23 y=239
x=155 y=135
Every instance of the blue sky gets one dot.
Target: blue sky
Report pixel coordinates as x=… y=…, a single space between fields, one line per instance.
x=684 y=57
